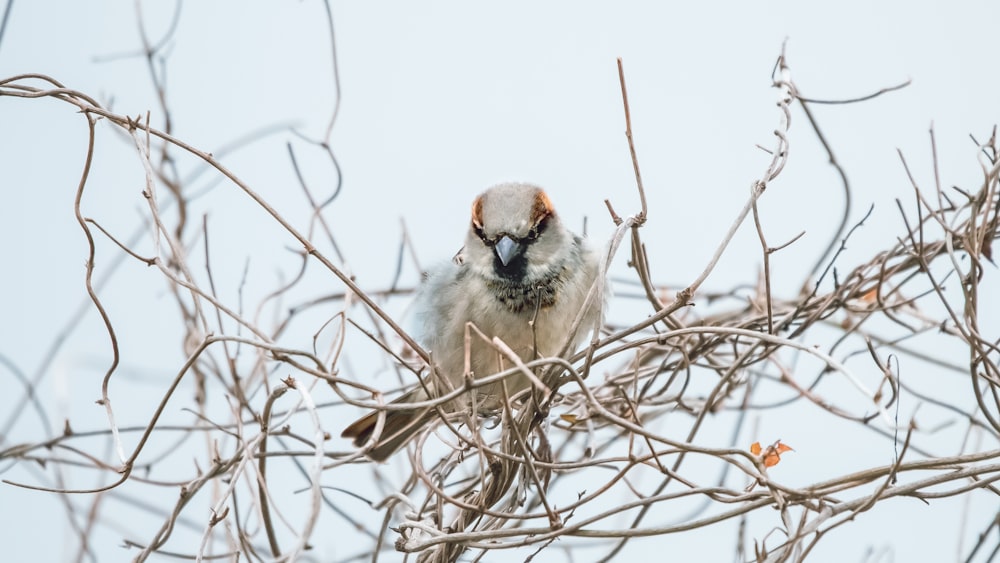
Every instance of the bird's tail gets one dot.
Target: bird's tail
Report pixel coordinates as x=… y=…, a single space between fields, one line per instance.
x=400 y=426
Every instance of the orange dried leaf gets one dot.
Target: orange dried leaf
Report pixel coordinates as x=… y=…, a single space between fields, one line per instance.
x=772 y=455
x=569 y=417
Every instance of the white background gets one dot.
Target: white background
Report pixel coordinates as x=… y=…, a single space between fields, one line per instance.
x=440 y=100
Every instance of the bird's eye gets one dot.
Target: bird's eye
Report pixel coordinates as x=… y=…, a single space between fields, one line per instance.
x=482 y=236
x=538 y=228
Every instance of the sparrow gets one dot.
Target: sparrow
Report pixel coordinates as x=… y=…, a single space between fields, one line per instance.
x=522 y=277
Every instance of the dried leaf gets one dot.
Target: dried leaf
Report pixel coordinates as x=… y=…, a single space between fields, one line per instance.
x=771 y=455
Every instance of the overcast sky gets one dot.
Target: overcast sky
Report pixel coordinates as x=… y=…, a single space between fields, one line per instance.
x=440 y=100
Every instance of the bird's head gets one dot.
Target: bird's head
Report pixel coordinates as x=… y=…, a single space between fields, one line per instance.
x=515 y=232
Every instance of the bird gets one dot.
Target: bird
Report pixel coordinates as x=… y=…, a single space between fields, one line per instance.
x=523 y=277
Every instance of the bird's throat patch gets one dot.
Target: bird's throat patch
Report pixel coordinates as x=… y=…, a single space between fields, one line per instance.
x=522 y=296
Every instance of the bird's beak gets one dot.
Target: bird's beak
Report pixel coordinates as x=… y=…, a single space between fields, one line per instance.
x=506 y=249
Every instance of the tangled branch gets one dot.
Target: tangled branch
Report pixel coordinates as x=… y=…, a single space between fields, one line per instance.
x=610 y=435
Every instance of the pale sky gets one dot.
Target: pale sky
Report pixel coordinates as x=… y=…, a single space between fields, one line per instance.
x=439 y=101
